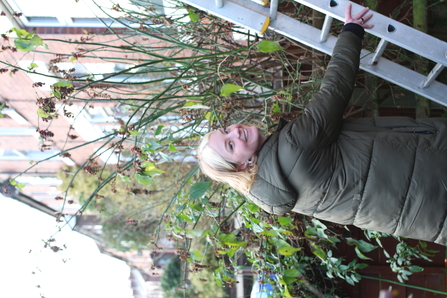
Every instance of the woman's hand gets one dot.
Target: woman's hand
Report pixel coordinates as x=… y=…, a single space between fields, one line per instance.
x=359 y=18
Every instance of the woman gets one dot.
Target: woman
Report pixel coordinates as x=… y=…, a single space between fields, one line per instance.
x=387 y=174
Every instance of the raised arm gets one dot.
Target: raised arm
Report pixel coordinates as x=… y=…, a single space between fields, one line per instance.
x=321 y=121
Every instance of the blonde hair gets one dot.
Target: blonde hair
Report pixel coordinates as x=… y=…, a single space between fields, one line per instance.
x=217 y=168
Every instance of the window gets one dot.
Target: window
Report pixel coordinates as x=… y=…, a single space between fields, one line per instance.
x=18 y=131
x=33 y=155
x=12 y=113
x=64 y=13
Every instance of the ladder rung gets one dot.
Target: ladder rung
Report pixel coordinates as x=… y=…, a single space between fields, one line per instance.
x=326 y=28
x=432 y=75
x=379 y=51
x=273 y=9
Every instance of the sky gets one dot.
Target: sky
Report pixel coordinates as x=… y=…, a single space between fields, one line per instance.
x=79 y=270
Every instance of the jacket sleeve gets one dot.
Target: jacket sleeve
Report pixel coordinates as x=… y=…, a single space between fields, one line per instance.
x=321 y=121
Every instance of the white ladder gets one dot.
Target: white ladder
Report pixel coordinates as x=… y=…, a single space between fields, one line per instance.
x=251 y=15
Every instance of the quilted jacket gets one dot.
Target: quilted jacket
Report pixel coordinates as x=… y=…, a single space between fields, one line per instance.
x=387 y=174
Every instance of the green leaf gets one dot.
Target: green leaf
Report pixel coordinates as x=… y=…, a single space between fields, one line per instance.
x=415 y=268
x=193 y=105
x=287 y=293
x=209 y=116
x=349 y=280
x=42 y=114
x=363 y=246
x=21 y=33
x=318 y=224
x=316 y=250
x=193 y=16
x=321 y=234
x=134 y=132
x=288 y=280
x=285 y=220
x=165 y=156
x=153 y=145
x=150 y=169
x=124 y=178
x=26 y=41
x=360 y=254
x=63 y=84
x=292 y=273
x=361 y=265
x=159 y=128
x=172 y=148
x=146 y=180
x=268 y=46
x=199 y=189
x=230 y=240
x=227 y=89
x=269 y=233
x=333 y=239
x=23 y=45
x=185 y=217
x=32 y=65
x=252 y=207
x=285 y=248
x=196 y=233
x=276 y=108
x=56 y=93
x=196 y=255
x=196 y=207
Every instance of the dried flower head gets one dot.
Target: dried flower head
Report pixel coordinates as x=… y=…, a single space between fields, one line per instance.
x=92 y=168
x=44 y=134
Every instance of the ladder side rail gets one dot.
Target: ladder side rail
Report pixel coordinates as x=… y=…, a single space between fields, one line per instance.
x=404 y=77
x=386 y=28
x=385 y=69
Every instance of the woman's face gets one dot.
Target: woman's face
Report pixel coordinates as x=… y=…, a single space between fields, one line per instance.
x=237 y=143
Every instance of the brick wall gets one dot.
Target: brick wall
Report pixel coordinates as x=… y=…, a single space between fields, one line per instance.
x=18 y=91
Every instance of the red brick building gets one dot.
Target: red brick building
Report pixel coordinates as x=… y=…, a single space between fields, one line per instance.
x=21 y=145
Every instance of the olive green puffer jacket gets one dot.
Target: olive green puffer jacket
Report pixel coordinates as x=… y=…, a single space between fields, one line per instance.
x=386 y=174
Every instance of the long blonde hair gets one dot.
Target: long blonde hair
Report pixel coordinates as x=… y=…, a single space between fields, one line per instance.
x=217 y=168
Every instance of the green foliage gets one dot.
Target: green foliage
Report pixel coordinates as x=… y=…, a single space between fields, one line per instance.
x=27 y=41
x=268 y=46
x=172 y=275
x=123 y=233
x=130 y=212
x=401 y=261
x=227 y=89
x=16 y=184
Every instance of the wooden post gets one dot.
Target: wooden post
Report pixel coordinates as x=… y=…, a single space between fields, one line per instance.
x=420 y=23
